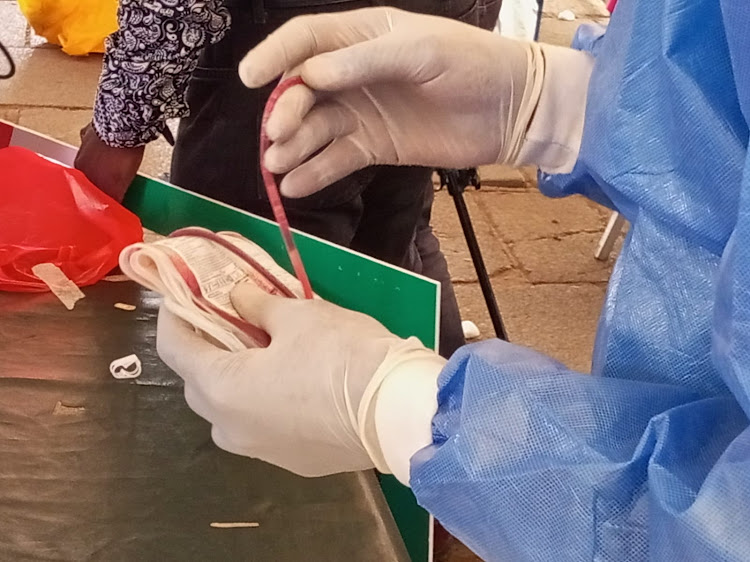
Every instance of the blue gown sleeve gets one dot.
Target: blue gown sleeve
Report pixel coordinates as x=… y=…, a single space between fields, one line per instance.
x=534 y=462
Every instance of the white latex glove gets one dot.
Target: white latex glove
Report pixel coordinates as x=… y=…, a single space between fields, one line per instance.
x=307 y=402
x=391 y=87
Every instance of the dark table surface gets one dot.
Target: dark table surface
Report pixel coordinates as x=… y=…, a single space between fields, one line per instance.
x=94 y=468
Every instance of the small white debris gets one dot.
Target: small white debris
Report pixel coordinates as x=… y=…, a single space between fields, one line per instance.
x=128 y=367
x=471 y=332
x=123 y=306
x=62 y=287
x=63 y=410
x=248 y=525
x=117 y=278
x=566 y=15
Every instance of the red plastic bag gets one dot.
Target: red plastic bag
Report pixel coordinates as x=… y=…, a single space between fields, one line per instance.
x=53 y=214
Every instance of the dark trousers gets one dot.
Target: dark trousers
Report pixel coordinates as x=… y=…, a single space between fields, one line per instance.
x=382 y=211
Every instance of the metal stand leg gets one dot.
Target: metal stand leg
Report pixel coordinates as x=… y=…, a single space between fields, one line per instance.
x=456 y=181
x=607 y=241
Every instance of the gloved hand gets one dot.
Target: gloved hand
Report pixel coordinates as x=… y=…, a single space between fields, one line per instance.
x=110 y=169
x=391 y=87
x=305 y=403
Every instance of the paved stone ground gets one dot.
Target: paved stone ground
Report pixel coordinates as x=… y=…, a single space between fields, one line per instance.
x=539 y=251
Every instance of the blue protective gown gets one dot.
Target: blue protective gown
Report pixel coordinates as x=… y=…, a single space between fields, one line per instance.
x=649 y=458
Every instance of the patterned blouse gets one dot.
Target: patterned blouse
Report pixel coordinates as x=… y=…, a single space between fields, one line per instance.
x=148 y=64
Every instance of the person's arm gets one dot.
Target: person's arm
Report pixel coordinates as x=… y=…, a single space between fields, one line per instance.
x=528 y=461
x=398 y=88
x=147 y=66
x=519 y=457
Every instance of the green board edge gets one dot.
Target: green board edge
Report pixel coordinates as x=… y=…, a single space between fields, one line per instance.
x=405 y=303
x=413 y=522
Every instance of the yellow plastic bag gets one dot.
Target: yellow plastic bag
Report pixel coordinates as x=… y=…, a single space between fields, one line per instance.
x=78 y=26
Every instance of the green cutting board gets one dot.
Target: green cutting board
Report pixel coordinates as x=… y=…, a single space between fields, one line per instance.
x=405 y=303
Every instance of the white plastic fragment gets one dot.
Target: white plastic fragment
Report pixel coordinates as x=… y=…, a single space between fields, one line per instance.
x=124 y=306
x=62 y=287
x=238 y=525
x=128 y=367
x=566 y=15
x=471 y=331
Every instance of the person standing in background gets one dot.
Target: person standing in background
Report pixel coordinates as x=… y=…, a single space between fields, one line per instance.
x=178 y=59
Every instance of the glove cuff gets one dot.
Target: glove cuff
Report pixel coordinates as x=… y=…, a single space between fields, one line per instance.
x=396 y=411
x=552 y=133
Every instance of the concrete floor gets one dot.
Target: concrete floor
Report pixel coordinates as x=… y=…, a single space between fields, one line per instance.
x=539 y=251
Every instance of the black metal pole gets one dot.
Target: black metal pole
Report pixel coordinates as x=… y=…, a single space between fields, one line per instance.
x=540 y=8
x=456 y=190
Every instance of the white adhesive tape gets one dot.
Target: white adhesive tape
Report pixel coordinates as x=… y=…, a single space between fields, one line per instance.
x=62 y=287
